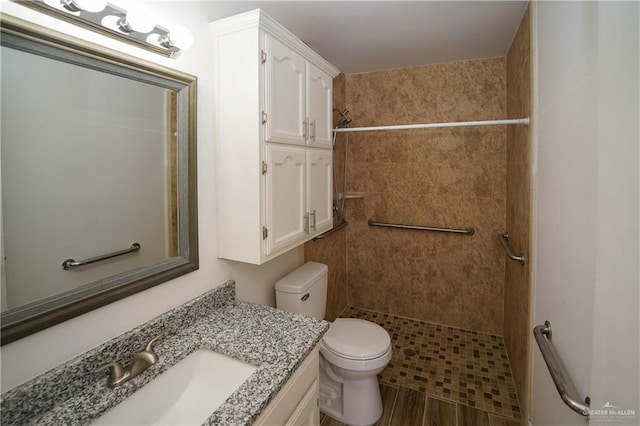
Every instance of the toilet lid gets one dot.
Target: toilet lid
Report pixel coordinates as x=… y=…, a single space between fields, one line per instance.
x=356 y=339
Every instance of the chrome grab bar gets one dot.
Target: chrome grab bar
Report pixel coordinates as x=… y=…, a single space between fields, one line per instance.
x=70 y=263
x=467 y=231
x=332 y=230
x=542 y=333
x=504 y=239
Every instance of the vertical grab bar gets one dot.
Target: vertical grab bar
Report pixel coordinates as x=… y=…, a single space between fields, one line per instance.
x=542 y=333
x=504 y=238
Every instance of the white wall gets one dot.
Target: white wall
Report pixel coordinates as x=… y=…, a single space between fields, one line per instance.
x=586 y=202
x=28 y=357
x=615 y=374
x=566 y=198
x=3 y=280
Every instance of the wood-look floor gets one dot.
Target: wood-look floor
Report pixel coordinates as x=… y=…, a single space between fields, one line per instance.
x=408 y=407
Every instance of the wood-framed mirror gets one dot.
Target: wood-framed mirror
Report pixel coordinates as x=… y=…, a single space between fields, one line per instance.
x=98 y=175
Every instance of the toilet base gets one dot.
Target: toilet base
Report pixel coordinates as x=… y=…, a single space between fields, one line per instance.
x=355 y=402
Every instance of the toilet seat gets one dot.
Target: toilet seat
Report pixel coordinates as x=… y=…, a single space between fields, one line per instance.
x=357 y=339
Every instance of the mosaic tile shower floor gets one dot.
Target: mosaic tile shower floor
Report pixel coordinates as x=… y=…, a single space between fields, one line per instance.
x=448 y=363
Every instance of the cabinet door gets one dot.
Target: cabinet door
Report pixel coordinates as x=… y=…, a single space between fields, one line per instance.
x=319 y=104
x=284 y=94
x=285 y=197
x=319 y=189
x=307 y=412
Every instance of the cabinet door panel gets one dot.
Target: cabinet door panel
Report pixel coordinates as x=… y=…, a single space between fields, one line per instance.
x=319 y=103
x=307 y=413
x=284 y=94
x=285 y=196
x=319 y=194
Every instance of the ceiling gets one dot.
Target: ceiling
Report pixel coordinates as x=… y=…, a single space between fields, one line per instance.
x=367 y=36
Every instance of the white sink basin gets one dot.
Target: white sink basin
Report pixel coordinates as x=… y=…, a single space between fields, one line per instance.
x=185 y=394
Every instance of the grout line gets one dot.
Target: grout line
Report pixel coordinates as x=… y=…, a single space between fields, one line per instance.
x=513 y=379
x=393 y=406
x=342 y=311
x=424 y=412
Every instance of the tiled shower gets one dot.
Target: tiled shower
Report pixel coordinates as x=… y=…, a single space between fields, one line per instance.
x=464 y=177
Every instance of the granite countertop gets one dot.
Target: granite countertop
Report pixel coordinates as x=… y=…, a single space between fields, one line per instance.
x=275 y=341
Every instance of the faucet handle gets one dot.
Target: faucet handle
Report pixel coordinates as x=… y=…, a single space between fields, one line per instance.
x=117 y=374
x=148 y=356
x=116 y=369
x=149 y=347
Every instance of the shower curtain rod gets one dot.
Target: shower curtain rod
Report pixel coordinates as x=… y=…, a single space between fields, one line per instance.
x=434 y=125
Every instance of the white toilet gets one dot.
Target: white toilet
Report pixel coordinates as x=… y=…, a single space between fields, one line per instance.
x=353 y=351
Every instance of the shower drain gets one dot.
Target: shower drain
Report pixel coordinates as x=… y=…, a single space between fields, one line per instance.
x=410 y=352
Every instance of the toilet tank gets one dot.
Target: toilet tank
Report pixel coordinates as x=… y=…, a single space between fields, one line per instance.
x=304 y=291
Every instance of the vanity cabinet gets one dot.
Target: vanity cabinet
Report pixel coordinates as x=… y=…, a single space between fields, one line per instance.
x=273 y=129
x=297 y=403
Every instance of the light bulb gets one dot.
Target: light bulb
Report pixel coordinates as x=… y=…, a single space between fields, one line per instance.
x=93 y=6
x=179 y=37
x=111 y=22
x=138 y=21
x=154 y=38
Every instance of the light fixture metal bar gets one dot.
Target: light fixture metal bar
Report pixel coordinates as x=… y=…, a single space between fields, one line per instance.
x=92 y=21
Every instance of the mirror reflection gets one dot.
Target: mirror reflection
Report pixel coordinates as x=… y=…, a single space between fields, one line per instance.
x=87 y=160
x=97 y=169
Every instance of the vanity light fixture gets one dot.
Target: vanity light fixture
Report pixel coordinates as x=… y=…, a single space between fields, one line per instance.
x=178 y=38
x=135 y=20
x=93 y=6
x=133 y=26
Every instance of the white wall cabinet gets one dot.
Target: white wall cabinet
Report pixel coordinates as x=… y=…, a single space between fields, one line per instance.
x=298 y=97
x=319 y=189
x=285 y=93
x=273 y=98
x=319 y=106
x=298 y=194
x=286 y=208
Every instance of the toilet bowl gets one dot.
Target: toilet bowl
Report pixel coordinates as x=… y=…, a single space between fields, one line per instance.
x=352 y=352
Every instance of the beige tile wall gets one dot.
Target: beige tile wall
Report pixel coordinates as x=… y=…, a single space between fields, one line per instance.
x=517 y=297
x=331 y=250
x=450 y=177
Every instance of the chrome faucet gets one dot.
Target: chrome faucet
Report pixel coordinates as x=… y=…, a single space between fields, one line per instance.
x=118 y=375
